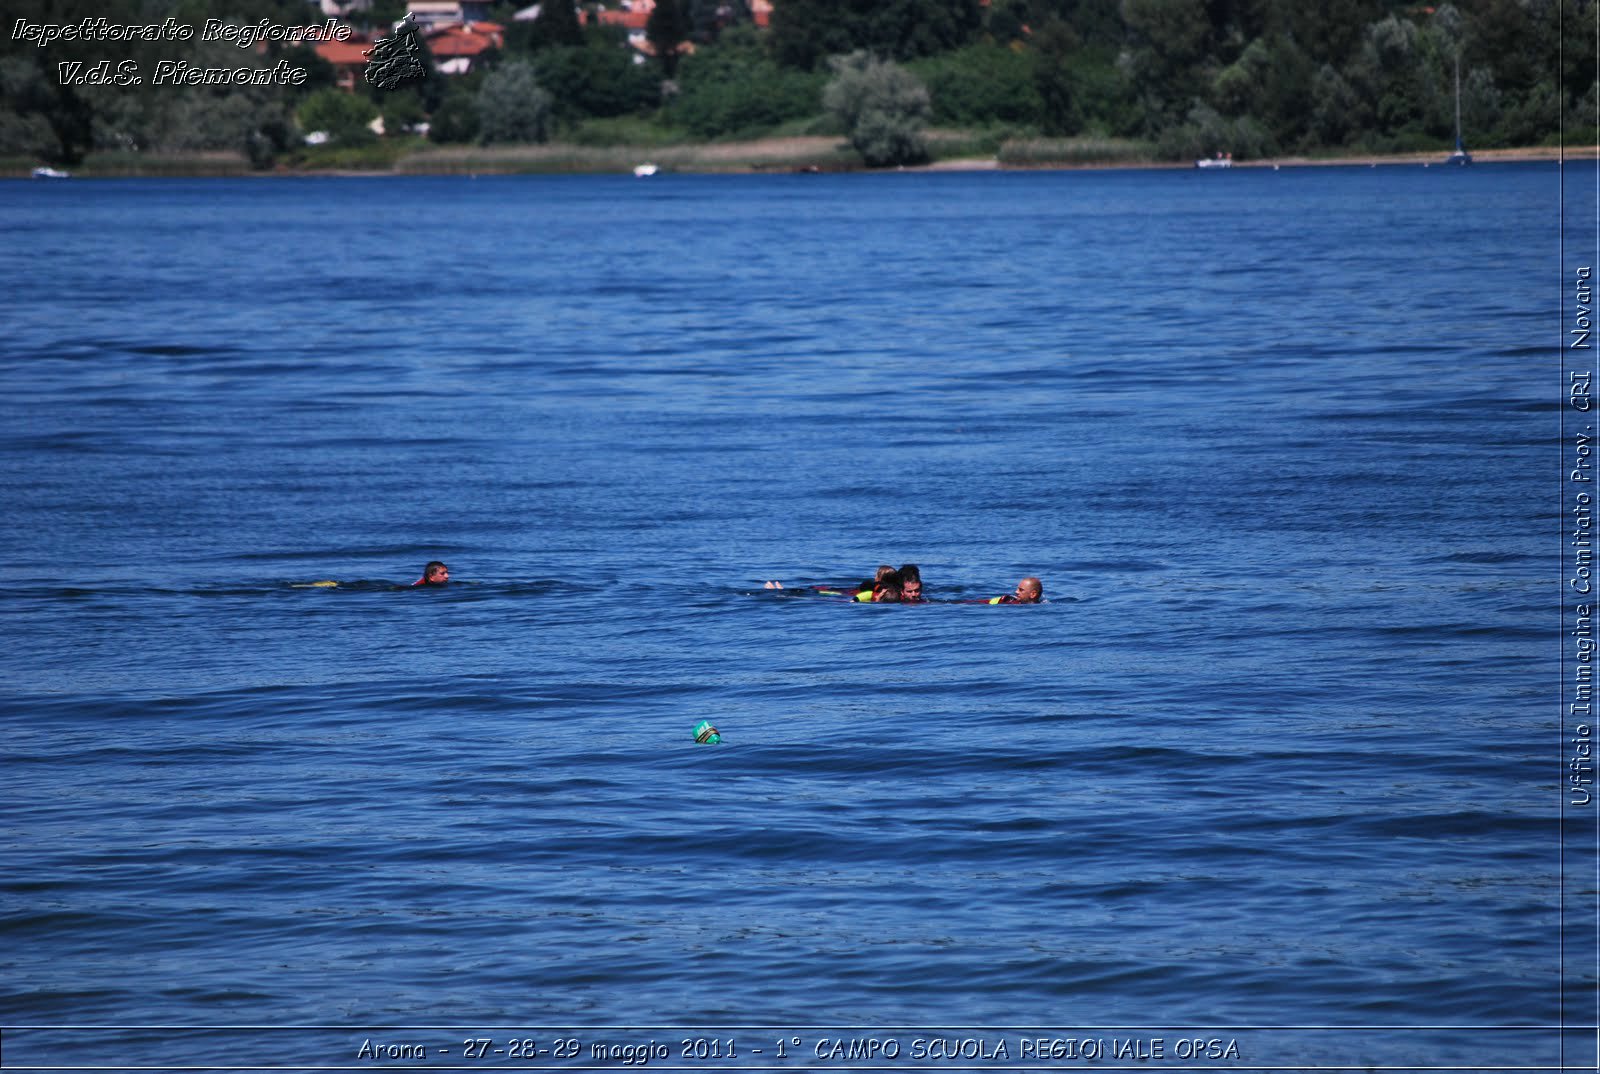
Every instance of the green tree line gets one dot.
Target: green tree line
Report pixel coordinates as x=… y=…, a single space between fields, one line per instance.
x=1189 y=77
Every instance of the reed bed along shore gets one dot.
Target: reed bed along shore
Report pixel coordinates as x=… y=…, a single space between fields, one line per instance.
x=767 y=154
x=124 y=164
x=948 y=151
x=1074 y=152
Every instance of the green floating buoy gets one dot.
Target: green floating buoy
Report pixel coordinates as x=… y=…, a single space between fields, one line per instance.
x=705 y=734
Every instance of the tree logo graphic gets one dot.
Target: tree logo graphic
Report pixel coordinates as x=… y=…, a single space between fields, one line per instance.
x=396 y=60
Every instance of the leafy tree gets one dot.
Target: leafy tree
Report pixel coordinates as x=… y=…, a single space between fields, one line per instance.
x=456 y=118
x=1174 y=32
x=1097 y=23
x=1234 y=23
x=734 y=88
x=906 y=29
x=512 y=107
x=1006 y=21
x=25 y=95
x=1054 y=84
x=385 y=13
x=709 y=18
x=1330 y=31
x=1528 y=120
x=1385 y=73
x=1105 y=94
x=881 y=105
x=1271 y=82
x=1239 y=88
x=211 y=121
x=401 y=109
x=35 y=98
x=556 y=25
x=319 y=72
x=1582 y=127
x=1504 y=33
x=1205 y=132
x=980 y=85
x=804 y=31
x=520 y=39
x=1338 y=114
x=343 y=115
x=1170 y=42
x=667 y=29
x=1482 y=105
x=598 y=79
x=266 y=139
x=1406 y=70
x=129 y=122
x=253 y=120
x=1574 y=54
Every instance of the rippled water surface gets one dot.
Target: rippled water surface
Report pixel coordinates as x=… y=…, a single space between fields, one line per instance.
x=1278 y=751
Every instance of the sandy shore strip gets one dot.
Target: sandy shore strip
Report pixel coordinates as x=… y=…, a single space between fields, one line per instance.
x=1479 y=156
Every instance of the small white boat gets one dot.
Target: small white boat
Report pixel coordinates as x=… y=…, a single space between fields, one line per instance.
x=643 y=171
x=50 y=173
x=1219 y=161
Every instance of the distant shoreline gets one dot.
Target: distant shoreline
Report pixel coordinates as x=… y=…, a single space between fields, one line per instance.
x=1479 y=156
x=761 y=156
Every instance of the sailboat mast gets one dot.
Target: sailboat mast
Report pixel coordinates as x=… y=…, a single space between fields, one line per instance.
x=1458 y=98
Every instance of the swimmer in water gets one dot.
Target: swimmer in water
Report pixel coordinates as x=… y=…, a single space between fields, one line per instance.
x=836 y=590
x=864 y=591
x=1029 y=591
x=435 y=573
x=887 y=589
x=910 y=584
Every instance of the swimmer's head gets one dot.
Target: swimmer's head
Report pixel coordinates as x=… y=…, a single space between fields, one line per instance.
x=911 y=582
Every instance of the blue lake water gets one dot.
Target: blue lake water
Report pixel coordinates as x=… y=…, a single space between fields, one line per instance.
x=1280 y=750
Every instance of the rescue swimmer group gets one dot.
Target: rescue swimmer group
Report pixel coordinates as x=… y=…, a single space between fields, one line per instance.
x=904 y=586
x=888 y=586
